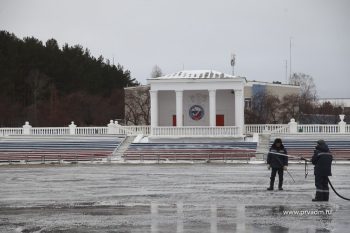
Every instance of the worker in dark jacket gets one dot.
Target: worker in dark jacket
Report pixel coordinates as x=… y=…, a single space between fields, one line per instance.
x=322 y=160
x=277 y=162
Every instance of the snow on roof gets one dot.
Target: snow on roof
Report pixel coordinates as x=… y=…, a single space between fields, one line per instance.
x=197 y=74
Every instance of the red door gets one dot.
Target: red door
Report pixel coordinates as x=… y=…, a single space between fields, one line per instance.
x=220 y=120
x=174 y=120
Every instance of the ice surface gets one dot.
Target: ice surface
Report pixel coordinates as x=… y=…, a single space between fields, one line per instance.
x=166 y=198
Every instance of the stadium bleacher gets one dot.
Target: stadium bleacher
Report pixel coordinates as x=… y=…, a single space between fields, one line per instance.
x=191 y=151
x=340 y=147
x=57 y=148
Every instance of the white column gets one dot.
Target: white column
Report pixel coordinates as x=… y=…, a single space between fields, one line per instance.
x=239 y=109
x=179 y=108
x=154 y=108
x=212 y=108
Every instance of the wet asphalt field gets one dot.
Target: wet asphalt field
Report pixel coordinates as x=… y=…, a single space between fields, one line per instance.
x=166 y=198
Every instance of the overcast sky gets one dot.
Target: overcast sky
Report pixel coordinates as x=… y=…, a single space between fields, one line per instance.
x=200 y=34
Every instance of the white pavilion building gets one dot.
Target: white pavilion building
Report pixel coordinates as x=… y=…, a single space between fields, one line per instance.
x=197 y=98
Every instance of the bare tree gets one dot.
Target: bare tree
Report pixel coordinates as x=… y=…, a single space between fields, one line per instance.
x=265 y=109
x=156 y=72
x=289 y=107
x=137 y=105
x=308 y=93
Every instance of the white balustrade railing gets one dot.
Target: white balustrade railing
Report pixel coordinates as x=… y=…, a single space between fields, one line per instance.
x=282 y=130
x=49 y=131
x=255 y=128
x=347 y=129
x=10 y=131
x=197 y=131
x=91 y=130
x=318 y=129
x=134 y=130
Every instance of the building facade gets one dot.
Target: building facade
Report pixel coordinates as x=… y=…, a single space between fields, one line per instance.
x=194 y=95
x=280 y=90
x=197 y=98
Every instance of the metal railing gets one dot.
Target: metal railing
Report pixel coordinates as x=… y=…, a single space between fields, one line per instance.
x=192 y=156
x=37 y=157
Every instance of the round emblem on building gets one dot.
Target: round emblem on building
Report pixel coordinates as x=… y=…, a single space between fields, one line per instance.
x=196 y=112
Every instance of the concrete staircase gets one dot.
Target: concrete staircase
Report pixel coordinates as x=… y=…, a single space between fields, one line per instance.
x=119 y=151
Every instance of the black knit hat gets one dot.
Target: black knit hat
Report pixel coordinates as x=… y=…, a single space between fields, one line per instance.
x=321 y=142
x=278 y=140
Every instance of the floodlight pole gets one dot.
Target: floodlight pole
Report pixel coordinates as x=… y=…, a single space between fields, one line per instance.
x=290 y=58
x=233 y=62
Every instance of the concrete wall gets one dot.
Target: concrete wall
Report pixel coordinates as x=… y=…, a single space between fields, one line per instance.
x=279 y=90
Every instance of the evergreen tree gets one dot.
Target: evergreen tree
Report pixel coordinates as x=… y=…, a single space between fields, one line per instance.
x=46 y=84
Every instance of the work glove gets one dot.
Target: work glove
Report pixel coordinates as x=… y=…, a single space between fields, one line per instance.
x=268 y=167
x=285 y=168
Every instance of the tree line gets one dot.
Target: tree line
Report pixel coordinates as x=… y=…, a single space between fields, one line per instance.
x=51 y=86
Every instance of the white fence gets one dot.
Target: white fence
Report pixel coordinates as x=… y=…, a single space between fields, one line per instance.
x=225 y=131
x=347 y=128
x=280 y=128
x=229 y=131
x=301 y=129
x=294 y=128
x=187 y=131
x=73 y=130
x=311 y=129
x=91 y=130
x=54 y=131
x=49 y=131
x=10 y=131
x=134 y=130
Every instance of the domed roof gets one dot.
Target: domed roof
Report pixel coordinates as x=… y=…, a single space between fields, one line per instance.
x=196 y=74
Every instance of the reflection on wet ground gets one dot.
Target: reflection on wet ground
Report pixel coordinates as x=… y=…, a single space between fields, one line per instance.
x=166 y=198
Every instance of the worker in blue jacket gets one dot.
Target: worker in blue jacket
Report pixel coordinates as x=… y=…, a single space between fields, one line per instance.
x=277 y=163
x=322 y=159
